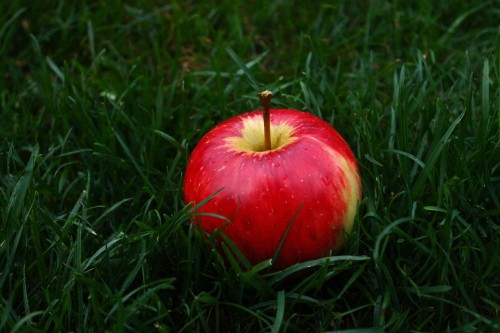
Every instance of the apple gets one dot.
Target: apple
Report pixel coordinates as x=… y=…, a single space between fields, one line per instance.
x=285 y=183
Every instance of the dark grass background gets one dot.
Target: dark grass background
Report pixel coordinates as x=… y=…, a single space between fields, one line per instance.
x=102 y=101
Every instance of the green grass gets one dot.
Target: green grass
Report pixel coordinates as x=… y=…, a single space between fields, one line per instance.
x=102 y=101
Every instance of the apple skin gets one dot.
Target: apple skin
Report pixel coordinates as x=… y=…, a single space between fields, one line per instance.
x=311 y=181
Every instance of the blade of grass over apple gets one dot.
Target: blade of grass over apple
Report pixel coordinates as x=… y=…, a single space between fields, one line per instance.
x=202 y=203
x=283 y=238
x=233 y=253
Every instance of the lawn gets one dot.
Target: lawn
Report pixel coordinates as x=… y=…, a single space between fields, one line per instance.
x=101 y=103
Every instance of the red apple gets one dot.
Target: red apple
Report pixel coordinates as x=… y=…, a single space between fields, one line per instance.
x=305 y=188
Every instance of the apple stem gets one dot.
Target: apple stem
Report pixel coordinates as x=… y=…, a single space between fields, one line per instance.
x=265 y=101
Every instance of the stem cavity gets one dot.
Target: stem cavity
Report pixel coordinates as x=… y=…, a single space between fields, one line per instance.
x=265 y=101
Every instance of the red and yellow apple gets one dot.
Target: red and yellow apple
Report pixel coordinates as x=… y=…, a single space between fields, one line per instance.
x=294 y=189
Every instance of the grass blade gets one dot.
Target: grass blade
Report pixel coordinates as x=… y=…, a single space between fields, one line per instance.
x=244 y=68
x=5 y=26
x=132 y=159
x=18 y=195
x=26 y=319
x=280 y=310
x=418 y=187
